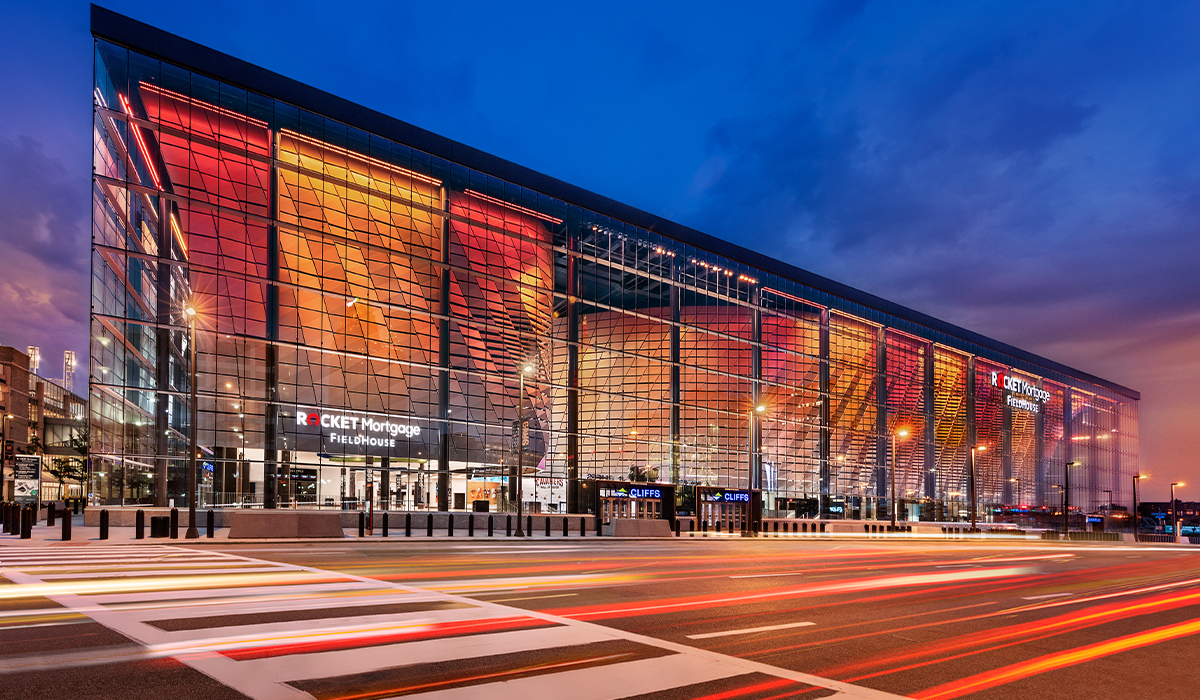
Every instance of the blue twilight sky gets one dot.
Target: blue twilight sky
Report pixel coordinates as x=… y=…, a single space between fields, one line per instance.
x=1026 y=169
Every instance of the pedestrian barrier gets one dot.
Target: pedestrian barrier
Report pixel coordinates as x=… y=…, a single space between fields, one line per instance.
x=66 y=524
x=508 y=526
x=408 y=524
x=362 y=524
x=174 y=523
x=429 y=525
x=385 y=524
x=547 y=526
x=449 y=524
x=50 y=514
x=470 y=524
x=139 y=525
x=27 y=523
x=566 y=527
x=160 y=526
x=210 y=524
x=491 y=526
x=104 y=524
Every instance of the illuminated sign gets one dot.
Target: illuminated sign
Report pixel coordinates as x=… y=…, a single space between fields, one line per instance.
x=727 y=496
x=1015 y=385
x=636 y=493
x=360 y=427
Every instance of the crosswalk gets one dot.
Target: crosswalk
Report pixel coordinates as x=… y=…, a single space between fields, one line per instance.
x=275 y=630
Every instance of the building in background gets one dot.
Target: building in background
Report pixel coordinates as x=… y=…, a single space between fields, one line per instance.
x=377 y=305
x=46 y=419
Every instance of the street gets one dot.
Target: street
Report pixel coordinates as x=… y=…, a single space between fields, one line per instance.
x=599 y=618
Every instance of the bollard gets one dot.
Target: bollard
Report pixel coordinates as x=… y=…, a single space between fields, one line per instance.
x=75 y=505
x=677 y=528
x=547 y=526
x=529 y=525
x=139 y=525
x=583 y=527
x=491 y=525
x=599 y=523
x=50 y=514
x=66 y=525
x=408 y=524
x=385 y=524
x=27 y=523
x=211 y=523
x=174 y=523
x=508 y=526
x=362 y=524
x=449 y=524
x=6 y=515
x=470 y=524
x=104 y=524
x=777 y=528
x=566 y=527
x=429 y=525
x=718 y=524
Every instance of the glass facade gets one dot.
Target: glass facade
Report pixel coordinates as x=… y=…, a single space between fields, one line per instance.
x=373 y=319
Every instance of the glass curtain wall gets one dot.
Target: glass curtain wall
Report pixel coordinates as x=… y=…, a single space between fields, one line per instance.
x=372 y=322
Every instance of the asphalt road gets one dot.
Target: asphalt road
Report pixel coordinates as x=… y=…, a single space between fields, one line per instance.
x=691 y=618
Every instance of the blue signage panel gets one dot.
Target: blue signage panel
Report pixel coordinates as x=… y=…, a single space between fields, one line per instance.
x=727 y=496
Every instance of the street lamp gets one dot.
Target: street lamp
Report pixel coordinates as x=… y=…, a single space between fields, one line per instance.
x=521 y=437
x=1017 y=500
x=1175 y=510
x=971 y=481
x=192 y=532
x=901 y=433
x=1067 y=496
x=1136 y=516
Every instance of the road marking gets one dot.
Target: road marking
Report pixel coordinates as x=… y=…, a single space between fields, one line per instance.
x=1048 y=595
x=786 y=573
x=752 y=630
x=533 y=597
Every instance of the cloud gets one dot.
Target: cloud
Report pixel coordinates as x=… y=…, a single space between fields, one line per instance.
x=44 y=238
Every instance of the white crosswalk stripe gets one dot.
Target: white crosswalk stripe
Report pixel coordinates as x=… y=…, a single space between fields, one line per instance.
x=321 y=626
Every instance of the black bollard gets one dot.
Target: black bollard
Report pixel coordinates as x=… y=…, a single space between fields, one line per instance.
x=50 y=514
x=677 y=528
x=385 y=524
x=211 y=524
x=75 y=504
x=508 y=526
x=6 y=516
x=718 y=523
x=139 y=525
x=362 y=524
x=529 y=525
x=491 y=526
x=66 y=525
x=429 y=525
x=470 y=524
x=449 y=524
x=547 y=526
x=566 y=528
x=583 y=527
x=174 y=523
x=29 y=514
x=408 y=524
x=104 y=524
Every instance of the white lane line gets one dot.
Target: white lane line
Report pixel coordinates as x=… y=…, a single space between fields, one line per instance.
x=600 y=682
x=752 y=630
x=149 y=574
x=1048 y=595
x=298 y=667
x=531 y=597
x=180 y=594
x=785 y=573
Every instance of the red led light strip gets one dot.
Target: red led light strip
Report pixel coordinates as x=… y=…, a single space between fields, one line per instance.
x=514 y=207
x=137 y=134
x=203 y=105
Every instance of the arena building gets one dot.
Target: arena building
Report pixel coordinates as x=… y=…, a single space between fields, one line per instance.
x=378 y=308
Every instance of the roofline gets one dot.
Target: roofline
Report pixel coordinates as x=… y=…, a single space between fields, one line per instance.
x=146 y=39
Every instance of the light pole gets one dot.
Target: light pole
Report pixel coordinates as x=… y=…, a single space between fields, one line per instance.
x=1017 y=500
x=192 y=532
x=521 y=437
x=971 y=481
x=1175 y=510
x=1067 y=497
x=901 y=433
x=1137 y=518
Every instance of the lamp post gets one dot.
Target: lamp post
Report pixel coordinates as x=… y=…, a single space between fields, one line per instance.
x=755 y=455
x=1066 y=496
x=192 y=532
x=971 y=481
x=1175 y=510
x=1017 y=499
x=521 y=437
x=1136 y=516
x=901 y=433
